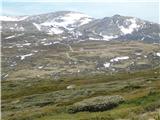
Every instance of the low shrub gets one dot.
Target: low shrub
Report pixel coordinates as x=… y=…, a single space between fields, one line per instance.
x=100 y=103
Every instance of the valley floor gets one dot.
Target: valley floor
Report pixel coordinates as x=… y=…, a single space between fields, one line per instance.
x=85 y=57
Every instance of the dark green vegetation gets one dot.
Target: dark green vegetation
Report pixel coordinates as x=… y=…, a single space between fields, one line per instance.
x=47 y=99
x=95 y=104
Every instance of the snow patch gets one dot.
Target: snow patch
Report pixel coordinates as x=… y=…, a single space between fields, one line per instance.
x=13 y=36
x=55 y=31
x=64 y=37
x=19 y=45
x=13 y=64
x=9 y=18
x=138 y=54
x=107 y=38
x=145 y=56
x=10 y=47
x=24 y=56
x=37 y=26
x=27 y=44
x=10 y=37
x=56 y=42
x=67 y=21
x=5 y=76
x=50 y=43
x=11 y=28
x=21 y=28
x=142 y=38
x=91 y=38
x=119 y=58
x=106 y=65
x=15 y=27
x=44 y=39
x=71 y=87
x=158 y=54
x=40 y=67
x=35 y=51
x=85 y=21
x=133 y=26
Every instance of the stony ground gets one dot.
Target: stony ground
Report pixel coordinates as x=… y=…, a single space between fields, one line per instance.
x=38 y=60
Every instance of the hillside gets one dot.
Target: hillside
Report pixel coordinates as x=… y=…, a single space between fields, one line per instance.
x=46 y=99
x=67 y=65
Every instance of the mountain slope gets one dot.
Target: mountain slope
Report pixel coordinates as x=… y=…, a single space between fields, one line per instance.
x=78 y=26
x=121 y=27
x=51 y=23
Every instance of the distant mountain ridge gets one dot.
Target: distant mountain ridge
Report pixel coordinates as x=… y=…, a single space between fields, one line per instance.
x=79 y=26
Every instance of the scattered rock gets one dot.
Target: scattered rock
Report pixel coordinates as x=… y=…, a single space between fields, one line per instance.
x=15 y=102
x=71 y=87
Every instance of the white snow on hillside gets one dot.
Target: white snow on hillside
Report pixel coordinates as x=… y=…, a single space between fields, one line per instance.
x=133 y=26
x=50 y=43
x=11 y=28
x=24 y=56
x=40 y=67
x=138 y=54
x=91 y=38
x=85 y=21
x=69 y=20
x=158 y=54
x=21 y=28
x=56 y=31
x=17 y=28
x=56 y=42
x=119 y=58
x=9 y=18
x=27 y=44
x=107 y=38
x=37 y=26
x=10 y=37
x=106 y=65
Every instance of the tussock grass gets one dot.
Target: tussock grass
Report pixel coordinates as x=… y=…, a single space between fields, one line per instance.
x=47 y=99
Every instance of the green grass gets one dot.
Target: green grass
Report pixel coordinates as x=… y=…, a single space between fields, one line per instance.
x=131 y=107
x=15 y=89
x=46 y=99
